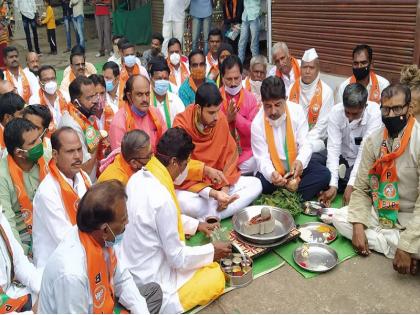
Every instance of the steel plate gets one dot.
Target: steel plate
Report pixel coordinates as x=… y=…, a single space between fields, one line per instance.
x=283 y=225
x=316 y=232
x=315 y=257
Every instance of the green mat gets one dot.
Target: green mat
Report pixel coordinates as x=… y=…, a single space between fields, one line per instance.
x=342 y=245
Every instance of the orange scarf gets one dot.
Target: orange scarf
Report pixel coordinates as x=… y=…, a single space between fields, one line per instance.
x=81 y=120
x=184 y=72
x=71 y=76
x=295 y=69
x=9 y=305
x=62 y=103
x=214 y=66
x=289 y=147
x=130 y=123
x=25 y=204
x=315 y=104
x=100 y=274
x=124 y=73
x=68 y=195
x=121 y=87
x=375 y=92
x=192 y=85
x=26 y=89
x=2 y=144
x=247 y=84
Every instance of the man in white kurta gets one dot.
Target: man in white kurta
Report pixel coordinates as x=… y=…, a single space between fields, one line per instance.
x=20 y=269
x=316 y=98
x=363 y=74
x=51 y=220
x=154 y=247
x=276 y=114
x=349 y=123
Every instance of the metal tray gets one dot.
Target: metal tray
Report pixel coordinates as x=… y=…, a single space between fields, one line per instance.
x=312 y=208
x=315 y=232
x=284 y=224
x=315 y=257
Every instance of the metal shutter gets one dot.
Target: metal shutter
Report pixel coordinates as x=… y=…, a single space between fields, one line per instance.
x=157 y=15
x=335 y=27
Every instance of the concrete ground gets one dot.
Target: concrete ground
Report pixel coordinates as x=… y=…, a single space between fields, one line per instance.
x=359 y=285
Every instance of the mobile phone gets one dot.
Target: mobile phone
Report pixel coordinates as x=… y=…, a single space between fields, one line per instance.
x=358 y=140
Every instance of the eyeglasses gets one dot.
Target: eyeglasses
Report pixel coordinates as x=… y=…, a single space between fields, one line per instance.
x=397 y=110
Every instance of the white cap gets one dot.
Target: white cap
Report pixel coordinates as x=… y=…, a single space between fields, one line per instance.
x=309 y=55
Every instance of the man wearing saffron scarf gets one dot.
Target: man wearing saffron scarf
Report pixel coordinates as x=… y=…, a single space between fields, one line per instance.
x=137 y=113
x=257 y=73
x=384 y=210
x=154 y=247
x=178 y=64
x=316 y=98
x=214 y=145
x=24 y=81
x=21 y=172
x=287 y=67
x=197 y=63
x=240 y=108
x=84 y=276
x=58 y=194
x=279 y=138
x=130 y=64
x=113 y=85
x=363 y=74
x=212 y=65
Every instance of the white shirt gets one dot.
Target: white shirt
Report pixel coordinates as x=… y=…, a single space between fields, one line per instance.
x=176 y=106
x=341 y=138
x=383 y=83
x=51 y=222
x=174 y=10
x=26 y=7
x=24 y=270
x=65 y=284
x=288 y=80
x=259 y=143
x=151 y=248
x=32 y=80
x=54 y=108
x=114 y=102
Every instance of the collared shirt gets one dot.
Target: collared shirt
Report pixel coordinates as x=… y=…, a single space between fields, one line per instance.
x=201 y=8
x=114 y=102
x=32 y=80
x=259 y=139
x=288 y=80
x=187 y=94
x=252 y=10
x=65 y=283
x=24 y=270
x=9 y=201
x=51 y=222
x=383 y=83
x=342 y=134
x=26 y=8
x=175 y=105
x=408 y=173
x=151 y=248
x=174 y=10
x=54 y=108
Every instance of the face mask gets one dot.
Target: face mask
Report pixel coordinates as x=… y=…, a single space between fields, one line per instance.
x=50 y=87
x=137 y=111
x=83 y=110
x=181 y=177
x=117 y=239
x=361 y=73
x=198 y=73
x=35 y=153
x=109 y=85
x=255 y=84
x=161 y=87
x=130 y=61
x=233 y=90
x=394 y=124
x=175 y=58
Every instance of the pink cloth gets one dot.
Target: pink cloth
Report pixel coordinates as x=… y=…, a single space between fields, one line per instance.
x=244 y=117
x=104 y=163
x=118 y=129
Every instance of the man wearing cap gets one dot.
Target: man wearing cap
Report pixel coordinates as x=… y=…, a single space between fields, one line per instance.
x=315 y=96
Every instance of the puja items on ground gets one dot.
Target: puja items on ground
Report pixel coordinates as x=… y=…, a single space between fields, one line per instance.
x=260 y=224
x=284 y=199
x=237 y=269
x=292 y=184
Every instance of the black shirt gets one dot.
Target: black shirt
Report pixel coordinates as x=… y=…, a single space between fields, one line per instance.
x=67 y=11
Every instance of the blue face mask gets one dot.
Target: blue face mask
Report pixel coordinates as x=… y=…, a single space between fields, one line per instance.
x=137 y=111
x=161 y=87
x=109 y=85
x=117 y=239
x=130 y=61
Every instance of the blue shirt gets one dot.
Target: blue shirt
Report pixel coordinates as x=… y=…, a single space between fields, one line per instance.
x=252 y=10
x=187 y=94
x=201 y=8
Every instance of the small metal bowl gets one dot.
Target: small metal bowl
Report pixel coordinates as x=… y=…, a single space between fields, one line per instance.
x=315 y=257
x=212 y=219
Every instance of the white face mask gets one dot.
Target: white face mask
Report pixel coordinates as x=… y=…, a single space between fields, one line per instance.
x=181 y=177
x=175 y=58
x=50 y=87
x=256 y=85
x=233 y=90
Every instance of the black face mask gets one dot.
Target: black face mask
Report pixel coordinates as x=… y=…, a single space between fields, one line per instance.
x=361 y=73
x=395 y=124
x=87 y=113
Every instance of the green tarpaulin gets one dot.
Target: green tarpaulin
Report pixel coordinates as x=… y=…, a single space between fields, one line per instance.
x=135 y=25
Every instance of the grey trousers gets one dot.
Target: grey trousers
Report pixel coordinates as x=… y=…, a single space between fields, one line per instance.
x=103 y=26
x=153 y=295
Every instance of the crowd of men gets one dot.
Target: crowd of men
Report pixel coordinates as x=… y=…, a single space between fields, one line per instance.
x=104 y=177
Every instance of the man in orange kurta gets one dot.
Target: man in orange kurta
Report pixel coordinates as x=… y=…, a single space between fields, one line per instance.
x=214 y=145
